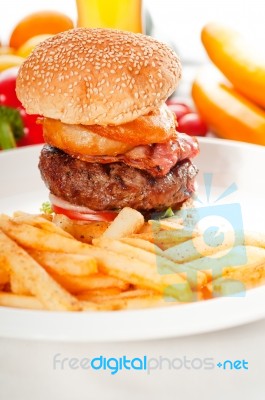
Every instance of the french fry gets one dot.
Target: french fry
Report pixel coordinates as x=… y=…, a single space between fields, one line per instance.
x=144 y=245
x=37 y=239
x=34 y=278
x=87 y=232
x=130 y=251
x=48 y=217
x=39 y=222
x=20 y=301
x=222 y=287
x=214 y=268
x=127 y=304
x=196 y=281
x=253 y=274
x=17 y=287
x=165 y=224
x=127 y=222
x=148 y=236
x=146 y=228
x=129 y=267
x=256 y=239
x=135 y=293
x=77 y=284
x=236 y=280
x=99 y=294
x=133 y=299
x=68 y=264
x=100 y=281
x=83 y=231
x=159 y=264
x=167 y=238
x=64 y=223
x=197 y=248
x=4 y=276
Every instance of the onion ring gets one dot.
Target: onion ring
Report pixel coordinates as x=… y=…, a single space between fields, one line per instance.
x=156 y=127
x=97 y=140
x=79 y=139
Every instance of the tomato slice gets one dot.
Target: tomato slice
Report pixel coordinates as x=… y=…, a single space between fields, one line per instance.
x=107 y=216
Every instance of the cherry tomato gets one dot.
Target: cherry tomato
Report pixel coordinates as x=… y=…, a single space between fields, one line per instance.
x=8 y=95
x=33 y=130
x=179 y=110
x=93 y=216
x=192 y=124
x=178 y=100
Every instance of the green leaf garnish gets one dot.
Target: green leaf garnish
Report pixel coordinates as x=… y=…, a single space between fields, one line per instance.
x=46 y=208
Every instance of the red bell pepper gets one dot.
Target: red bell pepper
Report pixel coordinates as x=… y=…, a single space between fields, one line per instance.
x=32 y=130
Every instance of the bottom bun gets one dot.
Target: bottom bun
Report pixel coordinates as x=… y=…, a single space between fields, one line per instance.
x=115 y=185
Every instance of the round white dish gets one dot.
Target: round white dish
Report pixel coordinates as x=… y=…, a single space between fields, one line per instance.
x=228 y=165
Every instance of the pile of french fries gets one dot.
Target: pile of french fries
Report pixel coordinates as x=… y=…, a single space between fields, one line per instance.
x=54 y=263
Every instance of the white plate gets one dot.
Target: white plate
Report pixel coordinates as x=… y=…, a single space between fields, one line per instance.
x=228 y=163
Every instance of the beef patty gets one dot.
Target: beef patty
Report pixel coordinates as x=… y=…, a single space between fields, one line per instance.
x=115 y=185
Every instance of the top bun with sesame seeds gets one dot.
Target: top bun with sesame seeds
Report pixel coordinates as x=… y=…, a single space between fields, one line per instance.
x=97 y=77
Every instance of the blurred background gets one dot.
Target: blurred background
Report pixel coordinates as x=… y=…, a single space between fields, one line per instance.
x=230 y=104
x=179 y=21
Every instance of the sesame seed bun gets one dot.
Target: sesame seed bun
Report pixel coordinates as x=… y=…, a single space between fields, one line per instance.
x=97 y=76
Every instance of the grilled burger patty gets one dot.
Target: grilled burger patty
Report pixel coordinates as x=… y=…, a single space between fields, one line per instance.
x=114 y=185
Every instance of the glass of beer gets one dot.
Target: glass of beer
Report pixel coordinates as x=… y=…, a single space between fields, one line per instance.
x=116 y=14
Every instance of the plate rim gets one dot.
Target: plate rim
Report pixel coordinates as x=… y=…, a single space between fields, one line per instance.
x=51 y=325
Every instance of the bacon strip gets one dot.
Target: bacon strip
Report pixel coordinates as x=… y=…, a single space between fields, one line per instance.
x=157 y=159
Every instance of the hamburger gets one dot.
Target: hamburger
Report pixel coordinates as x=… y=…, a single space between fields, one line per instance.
x=111 y=141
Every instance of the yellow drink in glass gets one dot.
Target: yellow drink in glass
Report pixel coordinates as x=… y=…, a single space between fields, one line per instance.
x=116 y=14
